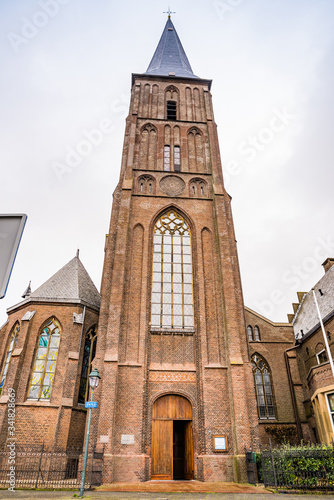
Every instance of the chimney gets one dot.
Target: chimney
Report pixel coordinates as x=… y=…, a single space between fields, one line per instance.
x=329 y=262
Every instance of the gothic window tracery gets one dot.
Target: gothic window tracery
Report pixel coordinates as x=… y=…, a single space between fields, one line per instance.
x=44 y=367
x=13 y=339
x=88 y=356
x=263 y=387
x=172 y=293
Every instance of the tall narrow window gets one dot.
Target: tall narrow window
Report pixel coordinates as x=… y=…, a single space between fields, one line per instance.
x=257 y=333
x=177 y=159
x=263 y=387
x=171 y=110
x=172 y=293
x=88 y=356
x=45 y=362
x=167 y=158
x=250 y=333
x=13 y=339
x=330 y=401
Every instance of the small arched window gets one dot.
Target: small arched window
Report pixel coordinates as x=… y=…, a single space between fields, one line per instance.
x=250 y=333
x=257 y=333
x=263 y=387
x=88 y=356
x=44 y=368
x=13 y=339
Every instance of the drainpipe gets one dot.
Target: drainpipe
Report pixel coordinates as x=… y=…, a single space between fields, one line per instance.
x=293 y=396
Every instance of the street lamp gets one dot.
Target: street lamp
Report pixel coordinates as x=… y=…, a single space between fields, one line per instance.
x=94 y=379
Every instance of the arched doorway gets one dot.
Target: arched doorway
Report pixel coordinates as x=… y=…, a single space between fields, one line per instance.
x=172 y=438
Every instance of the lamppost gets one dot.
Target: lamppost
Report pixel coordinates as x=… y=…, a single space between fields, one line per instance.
x=94 y=379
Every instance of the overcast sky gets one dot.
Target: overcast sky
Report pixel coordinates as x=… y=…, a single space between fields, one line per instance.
x=66 y=67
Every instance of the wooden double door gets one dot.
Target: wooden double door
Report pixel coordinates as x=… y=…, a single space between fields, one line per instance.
x=172 y=438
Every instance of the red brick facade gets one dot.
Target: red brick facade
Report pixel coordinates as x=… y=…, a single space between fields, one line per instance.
x=59 y=421
x=170 y=164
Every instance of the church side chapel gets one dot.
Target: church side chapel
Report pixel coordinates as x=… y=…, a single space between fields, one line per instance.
x=189 y=375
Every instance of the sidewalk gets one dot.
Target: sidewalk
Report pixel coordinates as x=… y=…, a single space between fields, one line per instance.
x=115 y=495
x=162 y=490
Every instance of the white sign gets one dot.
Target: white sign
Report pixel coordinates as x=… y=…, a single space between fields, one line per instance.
x=127 y=439
x=104 y=439
x=11 y=229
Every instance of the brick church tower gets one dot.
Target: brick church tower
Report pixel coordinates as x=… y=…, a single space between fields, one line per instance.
x=176 y=399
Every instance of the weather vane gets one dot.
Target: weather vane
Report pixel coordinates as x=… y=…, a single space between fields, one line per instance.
x=169 y=12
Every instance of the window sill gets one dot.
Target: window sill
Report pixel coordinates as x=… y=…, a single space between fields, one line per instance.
x=172 y=331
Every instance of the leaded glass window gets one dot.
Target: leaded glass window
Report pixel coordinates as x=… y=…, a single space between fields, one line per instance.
x=257 y=333
x=250 y=333
x=167 y=158
x=11 y=347
x=263 y=387
x=172 y=289
x=45 y=362
x=88 y=356
x=177 y=159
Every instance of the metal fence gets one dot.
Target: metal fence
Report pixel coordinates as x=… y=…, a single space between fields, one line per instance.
x=36 y=466
x=293 y=467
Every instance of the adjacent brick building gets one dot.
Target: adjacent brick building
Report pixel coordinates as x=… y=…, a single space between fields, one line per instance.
x=189 y=376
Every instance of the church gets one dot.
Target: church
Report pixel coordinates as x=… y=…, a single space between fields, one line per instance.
x=190 y=377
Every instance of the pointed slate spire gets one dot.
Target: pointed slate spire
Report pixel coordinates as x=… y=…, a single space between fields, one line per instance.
x=27 y=291
x=170 y=59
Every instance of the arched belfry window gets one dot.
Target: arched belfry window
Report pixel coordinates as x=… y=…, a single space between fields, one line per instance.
x=13 y=339
x=88 y=356
x=44 y=368
x=263 y=387
x=172 y=291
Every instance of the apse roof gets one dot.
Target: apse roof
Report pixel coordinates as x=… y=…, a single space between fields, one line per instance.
x=70 y=284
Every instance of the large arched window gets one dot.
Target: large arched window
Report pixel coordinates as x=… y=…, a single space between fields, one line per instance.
x=88 y=356
x=263 y=387
x=13 y=339
x=45 y=361
x=172 y=292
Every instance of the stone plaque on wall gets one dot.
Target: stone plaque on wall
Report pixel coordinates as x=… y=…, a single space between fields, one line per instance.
x=127 y=439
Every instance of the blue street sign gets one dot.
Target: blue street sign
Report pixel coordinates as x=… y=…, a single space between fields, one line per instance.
x=91 y=404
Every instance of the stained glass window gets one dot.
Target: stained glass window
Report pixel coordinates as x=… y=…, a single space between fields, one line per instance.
x=45 y=362
x=88 y=356
x=263 y=387
x=13 y=339
x=172 y=290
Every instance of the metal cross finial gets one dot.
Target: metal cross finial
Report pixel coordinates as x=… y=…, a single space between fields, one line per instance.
x=169 y=12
